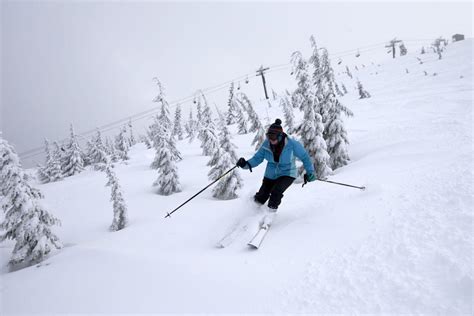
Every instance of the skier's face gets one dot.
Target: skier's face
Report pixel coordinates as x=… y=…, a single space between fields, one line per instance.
x=272 y=138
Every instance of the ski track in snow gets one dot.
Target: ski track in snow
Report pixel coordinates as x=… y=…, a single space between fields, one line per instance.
x=404 y=245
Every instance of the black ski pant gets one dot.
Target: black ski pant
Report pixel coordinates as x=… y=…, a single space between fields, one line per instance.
x=273 y=189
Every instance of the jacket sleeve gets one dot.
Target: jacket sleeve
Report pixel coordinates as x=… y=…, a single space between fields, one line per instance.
x=302 y=155
x=256 y=159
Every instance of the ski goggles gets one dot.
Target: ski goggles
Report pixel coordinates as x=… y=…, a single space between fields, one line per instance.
x=273 y=136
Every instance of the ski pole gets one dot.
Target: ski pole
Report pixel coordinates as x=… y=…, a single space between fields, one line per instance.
x=333 y=182
x=169 y=214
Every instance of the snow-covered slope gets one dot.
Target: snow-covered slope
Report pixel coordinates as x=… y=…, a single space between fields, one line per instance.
x=402 y=246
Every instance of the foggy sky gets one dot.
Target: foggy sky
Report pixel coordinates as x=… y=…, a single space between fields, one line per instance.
x=91 y=63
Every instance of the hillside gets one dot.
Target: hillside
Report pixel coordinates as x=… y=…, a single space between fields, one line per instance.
x=402 y=246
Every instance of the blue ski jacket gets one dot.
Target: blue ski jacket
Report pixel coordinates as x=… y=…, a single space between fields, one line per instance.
x=286 y=165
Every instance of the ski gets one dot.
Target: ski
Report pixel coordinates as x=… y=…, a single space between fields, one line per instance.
x=257 y=240
x=232 y=235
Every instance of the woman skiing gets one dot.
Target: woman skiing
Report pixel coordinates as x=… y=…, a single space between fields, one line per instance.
x=280 y=151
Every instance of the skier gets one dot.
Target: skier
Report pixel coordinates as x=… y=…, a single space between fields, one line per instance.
x=280 y=151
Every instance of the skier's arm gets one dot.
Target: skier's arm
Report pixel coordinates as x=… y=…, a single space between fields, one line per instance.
x=302 y=155
x=257 y=158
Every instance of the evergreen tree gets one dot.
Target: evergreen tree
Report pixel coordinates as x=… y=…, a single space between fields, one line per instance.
x=232 y=107
x=131 y=136
x=303 y=93
x=338 y=90
x=177 y=128
x=337 y=142
x=362 y=92
x=259 y=137
x=208 y=133
x=241 y=121
x=120 y=208
x=321 y=157
x=43 y=175
x=423 y=50
x=288 y=112
x=191 y=127
x=348 y=72
x=122 y=144
x=26 y=221
x=110 y=150
x=72 y=159
x=53 y=166
x=226 y=187
x=168 y=181
x=97 y=152
x=344 y=88
x=403 y=49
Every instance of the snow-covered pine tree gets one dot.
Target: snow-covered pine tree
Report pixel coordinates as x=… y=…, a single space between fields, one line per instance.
x=344 y=89
x=362 y=92
x=167 y=181
x=335 y=133
x=72 y=158
x=42 y=172
x=423 y=50
x=348 y=72
x=122 y=144
x=232 y=106
x=177 y=128
x=54 y=164
x=120 y=208
x=131 y=137
x=288 y=113
x=321 y=157
x=226 y=188
x=403 y=49
x=207 y=132
x=97 y=152
x=337 y=141
x=26 y=221
x=145 y=139
x=303 y=91
x=110 y=149
x=259 y=137
x=338 y=90
x=241 y=121
x=191 y=127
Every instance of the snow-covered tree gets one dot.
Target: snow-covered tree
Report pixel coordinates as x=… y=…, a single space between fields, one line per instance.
x=344 y=89
x=131 y=137
x=226 y=188
x=52 y=170
x=97 y=152
x=191 y=127
x=42 y=173
x=161 y=131
x=362 y=92
x=423 y=50
x=120 y=208
x=303 y=91
x=72 y=162
x=208 y=132
x=241 y=121
x=320 y=156
x=110 y=149
x=348 y=72
x=288 y=113
x=337 y=141
x=177 y=127
x=26 y=221
x=232 y=106
x=403 y=49
x=168 y=181
x=122 y=144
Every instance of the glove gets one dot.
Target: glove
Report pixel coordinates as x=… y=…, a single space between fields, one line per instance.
x=311 y=177
x=242 y=162
x=308 y=178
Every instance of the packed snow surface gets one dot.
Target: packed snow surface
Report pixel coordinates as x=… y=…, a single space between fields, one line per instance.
x=405 y=245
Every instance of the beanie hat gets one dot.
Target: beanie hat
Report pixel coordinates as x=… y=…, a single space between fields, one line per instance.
x=275 y=128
